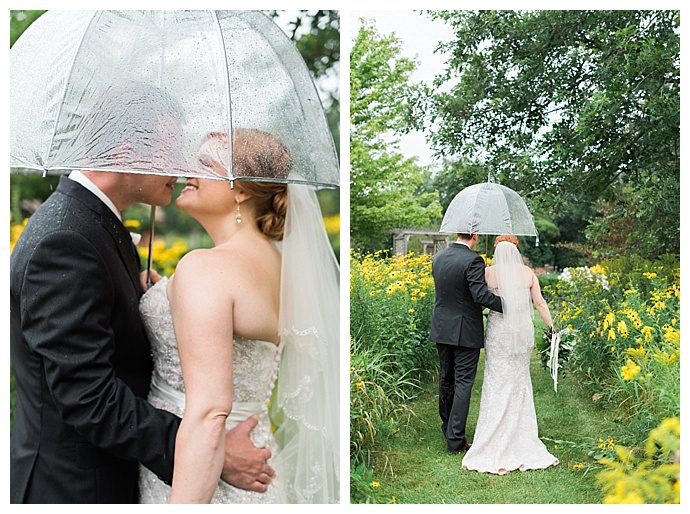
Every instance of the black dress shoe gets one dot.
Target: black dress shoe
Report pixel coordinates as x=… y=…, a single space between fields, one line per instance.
x=462 y=449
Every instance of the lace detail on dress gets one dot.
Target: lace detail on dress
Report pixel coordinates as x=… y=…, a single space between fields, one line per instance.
x=506 y=437
x=255 y=368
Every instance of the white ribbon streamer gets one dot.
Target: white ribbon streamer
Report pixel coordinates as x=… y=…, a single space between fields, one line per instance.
x=553 y=360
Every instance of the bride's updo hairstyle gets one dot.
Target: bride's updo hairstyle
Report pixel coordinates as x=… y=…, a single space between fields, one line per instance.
x=509 y=238
x=259 y=154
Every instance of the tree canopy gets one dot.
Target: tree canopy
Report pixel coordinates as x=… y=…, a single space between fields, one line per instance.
x=386 y=189
x=570 y=107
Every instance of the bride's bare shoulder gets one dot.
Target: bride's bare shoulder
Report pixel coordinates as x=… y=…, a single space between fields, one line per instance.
x=231 y=265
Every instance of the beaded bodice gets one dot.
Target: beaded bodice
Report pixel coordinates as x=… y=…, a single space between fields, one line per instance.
x=254 y=362
x=255 y=367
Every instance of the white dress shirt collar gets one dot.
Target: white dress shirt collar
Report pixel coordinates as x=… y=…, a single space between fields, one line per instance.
x=82 y=179
x=462 y=243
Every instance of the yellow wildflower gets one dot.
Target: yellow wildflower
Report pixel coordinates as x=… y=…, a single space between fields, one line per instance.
x=649 y=275
x=375 y=484
x=672 y=335
x=670 y=425
x=410 y=311
x=647 y=332
x=132 y=223
x=612 y=334
x=636 y=352
x=622 y=328
x=599 y=269
x=630 y=497
x=630 y=370
x=578 y=466
x=359 y=385
x=665 y=358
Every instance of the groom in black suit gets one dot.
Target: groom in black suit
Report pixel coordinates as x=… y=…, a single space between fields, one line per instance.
x=457 y=327
x=80 y=355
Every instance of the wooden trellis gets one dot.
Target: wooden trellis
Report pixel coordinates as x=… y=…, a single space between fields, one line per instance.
x=432 y=242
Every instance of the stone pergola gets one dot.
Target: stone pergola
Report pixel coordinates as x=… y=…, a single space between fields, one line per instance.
x=432 y=242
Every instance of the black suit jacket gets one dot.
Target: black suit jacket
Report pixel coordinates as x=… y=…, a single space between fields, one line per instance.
x=461 y=291
x=81 y=359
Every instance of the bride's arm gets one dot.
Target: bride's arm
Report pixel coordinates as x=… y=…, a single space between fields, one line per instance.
x=202 y=318
x=539 y=302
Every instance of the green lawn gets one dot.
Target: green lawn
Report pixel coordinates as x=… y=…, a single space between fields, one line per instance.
x=420 y=471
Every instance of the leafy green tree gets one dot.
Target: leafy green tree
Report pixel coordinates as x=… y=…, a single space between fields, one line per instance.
x=387 y=190
x=20 y=21
x=576 y=104
x=316 y=34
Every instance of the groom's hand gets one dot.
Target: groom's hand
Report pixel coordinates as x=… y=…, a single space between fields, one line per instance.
x=143 y=276
x=245 y=465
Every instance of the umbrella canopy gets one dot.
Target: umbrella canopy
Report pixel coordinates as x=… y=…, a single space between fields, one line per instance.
x=139 y=91
x=488 y=208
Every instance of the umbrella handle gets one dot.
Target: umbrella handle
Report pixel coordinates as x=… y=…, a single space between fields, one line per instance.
x=152 y=223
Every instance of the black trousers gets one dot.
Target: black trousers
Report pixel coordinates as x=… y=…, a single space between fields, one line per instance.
x=458 y=368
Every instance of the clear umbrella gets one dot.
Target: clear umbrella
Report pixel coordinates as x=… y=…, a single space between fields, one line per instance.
x=138 y=91
x=488 y=208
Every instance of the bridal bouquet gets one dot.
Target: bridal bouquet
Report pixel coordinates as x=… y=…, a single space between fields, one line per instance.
x=555 y=350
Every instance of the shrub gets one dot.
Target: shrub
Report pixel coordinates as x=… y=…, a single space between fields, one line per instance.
x=653 y=477
x=377 y=401
x=623 y=331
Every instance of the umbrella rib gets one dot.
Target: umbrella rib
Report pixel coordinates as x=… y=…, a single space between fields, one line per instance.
x=64 y=90
x=231 y=171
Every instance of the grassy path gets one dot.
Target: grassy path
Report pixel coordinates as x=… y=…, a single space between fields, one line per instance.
x=420 y=471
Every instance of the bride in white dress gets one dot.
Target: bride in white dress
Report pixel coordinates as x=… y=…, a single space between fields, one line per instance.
x=506 y=437
x=245 y=325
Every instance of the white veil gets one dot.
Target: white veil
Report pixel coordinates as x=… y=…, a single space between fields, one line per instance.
x=513 y=285
x=305 y=404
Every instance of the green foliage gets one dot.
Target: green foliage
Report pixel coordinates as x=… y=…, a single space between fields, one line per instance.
x=316 y=34
x=378 y=397
x=390 y=311
x=623 y=324
x=387 y=191
x=548 y=233
x=582 y=107
x=546 y=283
x=363 y=489
x=653 y=477
x=20 y=21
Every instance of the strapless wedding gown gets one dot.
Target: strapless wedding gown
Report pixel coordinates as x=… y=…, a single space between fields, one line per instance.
x=255 y=367
x=506 y=437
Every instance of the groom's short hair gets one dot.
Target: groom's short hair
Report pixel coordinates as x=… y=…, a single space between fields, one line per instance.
x=132 y=125
x=464 y=237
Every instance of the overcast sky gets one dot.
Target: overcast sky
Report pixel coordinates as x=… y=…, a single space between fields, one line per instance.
x=419 y=35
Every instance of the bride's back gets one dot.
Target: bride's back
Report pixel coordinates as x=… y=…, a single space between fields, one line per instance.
x=492 y=281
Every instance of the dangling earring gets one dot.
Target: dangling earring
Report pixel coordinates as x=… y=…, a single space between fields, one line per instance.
x=238 y=215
